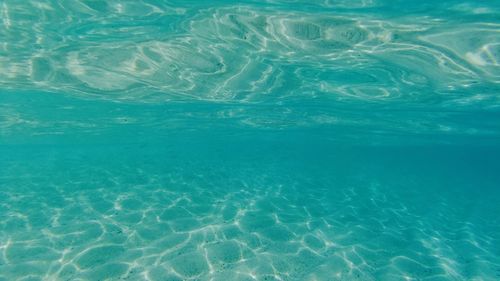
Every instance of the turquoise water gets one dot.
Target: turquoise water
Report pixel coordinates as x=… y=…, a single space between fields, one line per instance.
x=249 y=140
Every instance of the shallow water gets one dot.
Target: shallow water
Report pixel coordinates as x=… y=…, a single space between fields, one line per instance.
x=256 y=140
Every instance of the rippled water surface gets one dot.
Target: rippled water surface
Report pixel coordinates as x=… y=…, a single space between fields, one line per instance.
x=249 y=140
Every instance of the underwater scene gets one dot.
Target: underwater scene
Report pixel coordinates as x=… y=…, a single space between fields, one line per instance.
x=273 y=140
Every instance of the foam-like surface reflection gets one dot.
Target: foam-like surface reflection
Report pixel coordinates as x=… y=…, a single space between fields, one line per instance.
x=151 y=51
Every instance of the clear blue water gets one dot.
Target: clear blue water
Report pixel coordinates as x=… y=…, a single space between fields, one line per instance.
x=249 y=140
